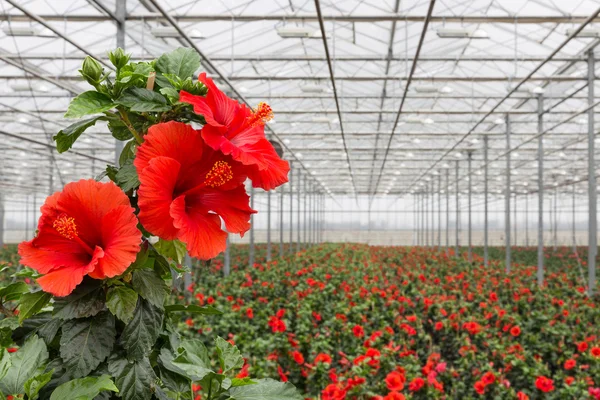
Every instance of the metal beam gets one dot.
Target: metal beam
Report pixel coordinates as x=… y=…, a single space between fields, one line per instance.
x=333 y=85
x=540 y=246
x=485 y=207
x=507 y=239
x=592 y=186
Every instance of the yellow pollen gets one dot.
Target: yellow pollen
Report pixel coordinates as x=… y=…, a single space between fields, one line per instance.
x=261 y=115
x=65 y=226
x=219 y=174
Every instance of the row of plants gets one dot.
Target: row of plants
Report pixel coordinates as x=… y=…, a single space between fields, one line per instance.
x=358 y=322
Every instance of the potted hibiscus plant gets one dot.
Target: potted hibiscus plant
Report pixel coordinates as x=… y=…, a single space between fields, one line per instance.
x=99 y=323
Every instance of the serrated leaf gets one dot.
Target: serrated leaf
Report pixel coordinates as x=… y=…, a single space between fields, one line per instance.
x=150 y=286
x=242 y=382
x=128 y=152
x=66 y=137
x=141 y=332
x=4 y=362
x=127 y=177
x=31 y=303
x=86 y=300
x=193 y=359
x=13 y=291
x=36 y=383
x=121 y=301
x=41 y=324
x=229 y=355
x=265 y=389
x=87 y=103
x=134 y=379
x=194 y=309
x=84 y=388
x=85 y=343
x=24 y=365
x=182 y=62
x=120 y=131
x=11 y=323
x=173 y=249
x=143 y=100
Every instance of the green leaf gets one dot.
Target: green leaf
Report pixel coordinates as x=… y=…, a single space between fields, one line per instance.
x=171 y=93
x=31 y=303
x=14 y=291
x=194 y=309
x=41 y=324
x=182 y=62
x=141 y=332
x=4 y=363
x=24 y=365
x=150 y=286
x=85 y=343
x=67 y=136
x=143 y=100
x=134 y=379
x=90 y=102
x=121 y=301
x=86 y=300
x=128 y=152
x=265 y=389
x=173 y=249
x=120 y=131
x=242 y=382
x=36 y=383
x=193 y=359
x=127 y=177
x=84 y=388
x=229 y=355
x=11 y=323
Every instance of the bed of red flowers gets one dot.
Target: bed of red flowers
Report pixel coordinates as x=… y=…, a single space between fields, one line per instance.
x=359 y=322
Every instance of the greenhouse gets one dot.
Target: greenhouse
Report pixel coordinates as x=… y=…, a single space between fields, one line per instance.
x=287 y=200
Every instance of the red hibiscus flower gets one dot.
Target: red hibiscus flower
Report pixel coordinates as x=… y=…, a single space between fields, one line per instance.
x=249 y=313
x=416 y=384
x=394 y=396
x=488 y=378
x=595 y=351
x=515 y=331
x=87 y=229
x=522 y=396
x=236 y=130
x=186 y=186
x=544 y=384
x=298 y=357
x=333 y=392
x=479 y=387
x=570 y=364
x=358 y=331
x=323 y=358
x=395 y=380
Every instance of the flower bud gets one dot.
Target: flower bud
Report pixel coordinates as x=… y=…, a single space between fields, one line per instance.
x=118 y=58
x=91 y=71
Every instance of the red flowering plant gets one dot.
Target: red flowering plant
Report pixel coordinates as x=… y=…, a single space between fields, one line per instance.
x=105 y=254
x=350 y=321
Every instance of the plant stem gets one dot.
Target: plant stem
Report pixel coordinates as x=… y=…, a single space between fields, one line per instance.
x=129 y=126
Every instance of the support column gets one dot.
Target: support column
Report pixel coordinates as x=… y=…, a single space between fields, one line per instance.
x=470 y=232
x=439 y=231
x=291 y=249
x=120 y=14
x=485 y=201
x=426 y=215
x=507 y=198
x=573 y=221
x=298 y=211
x=269 y=226
x=526 y=219
x=251 y=251
x=514 y=222
x=457 y=227
x=281 y=194
x=432 y=197
x=227 y=257
x=447 y=212
x=592 y=188
x=1 y=220
x=305 y=213
x=555 y=224
x=540 y=266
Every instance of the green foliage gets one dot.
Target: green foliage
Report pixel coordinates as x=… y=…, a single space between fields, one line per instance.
x=230 y=357
x=135 y=379
x=24 y=365
x=143 y=100
x=150 y=286
x=32 y=303
x=87 y=103
x=122 y=301
x=265 y=389
x=181 y=62
x=67 y=136
x=84 y=388
x=87 y=300
x=173 y=249
x=35 y=384
x=140 y=334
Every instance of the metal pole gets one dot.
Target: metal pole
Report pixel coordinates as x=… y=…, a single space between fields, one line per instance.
x=251 y=253
x=305 y=215
x=573 y=221
x=120 y=14
x=514 y=222
x=439 y=232
x=485 y=201
x=507 y=197
x=281 y=194
x=1 y=220
x=527 y=219
x=555 y=236
x=432 y=199
x=298 y=210
x=540 y=266
x=291 y=249
x=457 y=227
x=592 y=189
x=227 y=257
x=426 y=212
x=447 y=212
x=268 y=226
x=469 y=162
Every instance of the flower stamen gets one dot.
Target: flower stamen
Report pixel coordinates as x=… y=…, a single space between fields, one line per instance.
x=65 y=226
x=219 y=174
x=261 y=115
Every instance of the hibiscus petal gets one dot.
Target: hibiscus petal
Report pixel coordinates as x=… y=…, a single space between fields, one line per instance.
x=155 y=196
x=245 y=155
x=62 y=281
x=44 y=260
x=121 y=239
x=172 y=139
x=201 y=107
x=199 y=230
x=224 y=108
x=231 y=205
x=276 y=172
